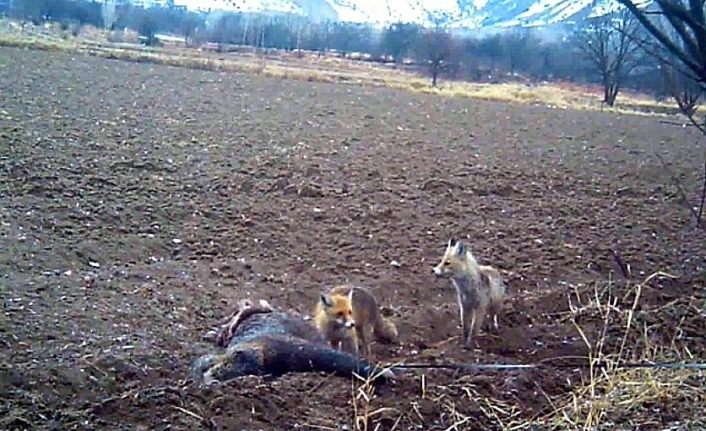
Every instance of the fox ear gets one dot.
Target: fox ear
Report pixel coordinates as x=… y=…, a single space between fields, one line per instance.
x=450 y=244
x=325 y=300
x=460 y=248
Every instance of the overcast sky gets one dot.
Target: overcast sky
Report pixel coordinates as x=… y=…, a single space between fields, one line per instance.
x=204 y=4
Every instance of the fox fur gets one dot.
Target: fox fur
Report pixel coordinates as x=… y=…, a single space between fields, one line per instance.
x=480 y=288
x=260 y=340
x=348 y=316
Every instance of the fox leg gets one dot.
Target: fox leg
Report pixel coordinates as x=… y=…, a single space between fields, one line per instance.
x=364 y=341
x=494 y=309
x=350 y=345
x=469 y=327
x=354 y=347
x=462 y=316
x=479 y=316
x=464 y=326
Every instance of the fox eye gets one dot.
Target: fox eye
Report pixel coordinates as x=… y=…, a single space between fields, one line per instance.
x=447 y=263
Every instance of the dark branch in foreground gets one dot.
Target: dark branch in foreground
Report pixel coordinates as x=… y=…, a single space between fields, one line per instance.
x=680 y=29
x=703 y=199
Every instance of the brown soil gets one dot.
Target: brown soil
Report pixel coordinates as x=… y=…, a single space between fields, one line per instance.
x=139 y=203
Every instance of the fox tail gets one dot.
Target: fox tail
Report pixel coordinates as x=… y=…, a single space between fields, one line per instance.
x=385 y=330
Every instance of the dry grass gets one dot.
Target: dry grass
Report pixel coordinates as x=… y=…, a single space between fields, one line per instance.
x=615 y=397
x=635 y=398
x=311 y=67
x=611 y=395
x=365 y=418
x=454 y=407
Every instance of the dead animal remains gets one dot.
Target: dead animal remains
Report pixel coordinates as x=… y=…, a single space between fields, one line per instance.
x=259 y=340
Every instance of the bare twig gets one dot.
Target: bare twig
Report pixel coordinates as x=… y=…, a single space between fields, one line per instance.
x=677 y=123
x=703 y=199
x=190 y=413
x=320 y=427
x=94 y=366
x=624 y=268
x=318 y=385
x=595 y=364
x=693 y=121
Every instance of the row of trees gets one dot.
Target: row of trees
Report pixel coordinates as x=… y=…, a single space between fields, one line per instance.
x=436 y=50
x=610 y=50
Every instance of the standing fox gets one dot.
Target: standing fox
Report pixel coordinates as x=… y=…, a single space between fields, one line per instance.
x=347 y=314
x=480 y=288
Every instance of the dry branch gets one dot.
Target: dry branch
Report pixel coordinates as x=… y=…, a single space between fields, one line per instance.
x=680 y=29
x=703 y=199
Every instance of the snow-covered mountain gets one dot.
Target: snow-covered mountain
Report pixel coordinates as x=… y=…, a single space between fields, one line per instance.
x=457 y=13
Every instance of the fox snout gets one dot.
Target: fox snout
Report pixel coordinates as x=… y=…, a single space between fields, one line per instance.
x=437 y=271
x=348 y=324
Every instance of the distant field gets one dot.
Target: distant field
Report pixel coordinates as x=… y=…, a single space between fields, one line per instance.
x=329 y=68
x=139 y=202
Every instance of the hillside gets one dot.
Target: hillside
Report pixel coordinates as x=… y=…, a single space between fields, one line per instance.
x=459 y=13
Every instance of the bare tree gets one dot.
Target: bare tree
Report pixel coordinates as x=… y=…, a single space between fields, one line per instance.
x=436 y=48
x=34 y=10
x=300 y=24
x=323 y=36
x=679 y=27
x=684 y=90
x=109 y=13
x=516 y=46
x=397 y=39
x=686 y=39
x=610 y=44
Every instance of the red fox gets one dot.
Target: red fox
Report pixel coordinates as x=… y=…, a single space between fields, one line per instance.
x=263 y=341
x=347 y=315
x=480 y=288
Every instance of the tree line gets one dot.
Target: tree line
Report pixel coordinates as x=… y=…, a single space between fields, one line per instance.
x=603 y=51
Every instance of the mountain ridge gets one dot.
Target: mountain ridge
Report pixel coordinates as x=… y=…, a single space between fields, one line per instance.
x=465 y=14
